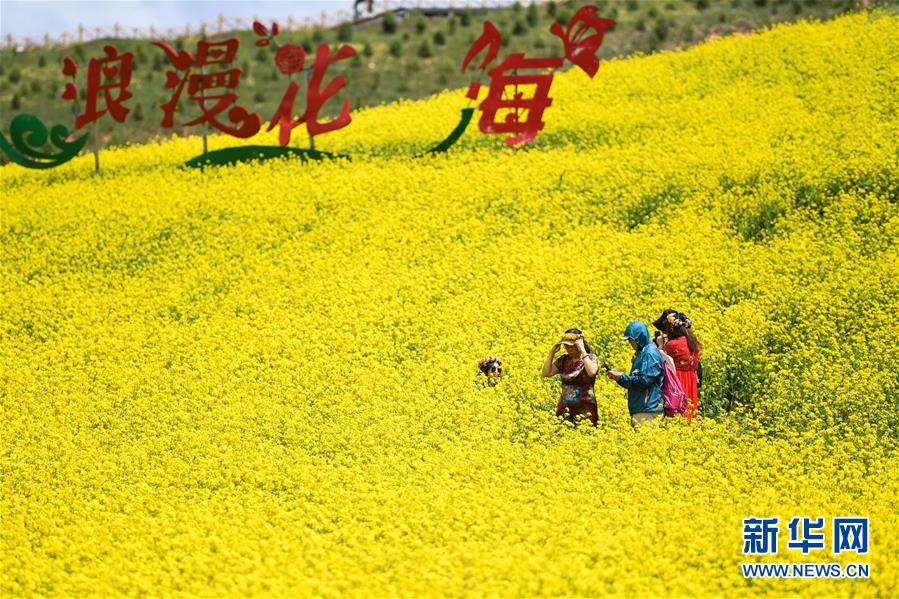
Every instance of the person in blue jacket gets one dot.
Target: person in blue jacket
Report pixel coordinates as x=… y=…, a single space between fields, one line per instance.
x=644 y=383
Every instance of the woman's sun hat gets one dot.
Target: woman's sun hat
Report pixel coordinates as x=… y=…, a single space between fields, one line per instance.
x=569 y=338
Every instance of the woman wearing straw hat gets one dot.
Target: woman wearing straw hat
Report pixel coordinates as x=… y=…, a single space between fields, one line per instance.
x=577 y=368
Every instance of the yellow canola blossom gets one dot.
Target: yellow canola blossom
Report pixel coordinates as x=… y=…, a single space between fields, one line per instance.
x=261 y=380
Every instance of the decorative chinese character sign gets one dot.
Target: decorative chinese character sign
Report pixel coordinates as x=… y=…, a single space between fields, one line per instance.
x=521 y=116
x=291 y=59
x=109 y=76
x=505 y=108
x=204 y=83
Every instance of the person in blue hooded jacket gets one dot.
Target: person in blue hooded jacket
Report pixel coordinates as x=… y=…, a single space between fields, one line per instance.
x=644 y=383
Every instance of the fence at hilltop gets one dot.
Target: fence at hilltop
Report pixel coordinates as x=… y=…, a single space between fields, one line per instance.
x=222 y=24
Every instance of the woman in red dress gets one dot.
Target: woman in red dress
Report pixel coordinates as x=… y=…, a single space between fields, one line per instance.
x=686 y=352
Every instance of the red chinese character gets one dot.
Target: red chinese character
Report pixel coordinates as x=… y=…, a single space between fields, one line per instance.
x=246 y=124
x=580 y=48
x=316 y=97
x=291 y=59
x=110 y=76
x=521 y=116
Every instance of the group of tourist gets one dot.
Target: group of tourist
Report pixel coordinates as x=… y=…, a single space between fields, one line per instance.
x=674 y=343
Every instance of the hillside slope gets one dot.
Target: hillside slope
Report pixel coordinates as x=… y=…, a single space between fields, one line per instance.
x=261 y=379
x=422 y=56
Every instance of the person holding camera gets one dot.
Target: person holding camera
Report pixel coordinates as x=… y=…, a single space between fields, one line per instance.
x=686 y=352
x=659 y=340
x=644 y=383
x=577 y=368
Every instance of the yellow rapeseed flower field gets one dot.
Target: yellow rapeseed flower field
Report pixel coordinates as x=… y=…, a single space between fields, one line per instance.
x=261 y=380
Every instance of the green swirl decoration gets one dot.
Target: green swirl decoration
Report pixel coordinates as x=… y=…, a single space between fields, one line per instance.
x=237 y=154
x=453 y=137
x=28 y=134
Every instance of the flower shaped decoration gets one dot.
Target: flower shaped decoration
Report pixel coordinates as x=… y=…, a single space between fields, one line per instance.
x=289 y=58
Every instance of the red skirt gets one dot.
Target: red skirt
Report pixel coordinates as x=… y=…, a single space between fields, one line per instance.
x=688 y=381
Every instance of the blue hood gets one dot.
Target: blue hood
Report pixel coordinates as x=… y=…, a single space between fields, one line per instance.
x=644 y=383
x=638 y=332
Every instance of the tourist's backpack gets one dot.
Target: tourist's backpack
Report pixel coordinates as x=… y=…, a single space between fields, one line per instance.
x=672 y=393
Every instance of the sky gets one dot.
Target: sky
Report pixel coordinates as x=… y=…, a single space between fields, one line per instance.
x=34 y=18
